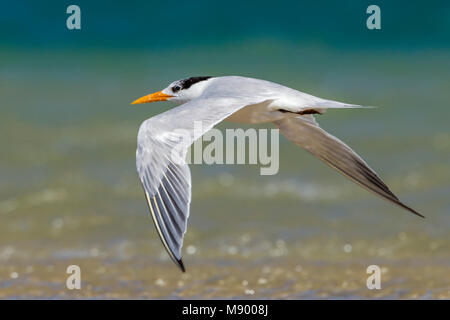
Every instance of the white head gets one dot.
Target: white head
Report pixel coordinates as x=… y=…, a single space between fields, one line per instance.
x=179 y=91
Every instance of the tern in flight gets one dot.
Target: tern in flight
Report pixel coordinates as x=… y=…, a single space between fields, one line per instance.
x=167 y=183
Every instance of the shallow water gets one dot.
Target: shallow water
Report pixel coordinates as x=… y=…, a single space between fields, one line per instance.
x=69 y=193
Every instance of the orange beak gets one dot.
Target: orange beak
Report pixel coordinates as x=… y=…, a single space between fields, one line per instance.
x=157 y=96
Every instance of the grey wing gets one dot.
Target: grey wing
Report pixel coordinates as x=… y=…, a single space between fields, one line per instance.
x=163 y=142
x=306 y=133
x=167 y=186
x=169 y=208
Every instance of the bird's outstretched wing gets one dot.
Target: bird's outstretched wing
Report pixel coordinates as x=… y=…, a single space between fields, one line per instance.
x=163 y=142
x=305 y=132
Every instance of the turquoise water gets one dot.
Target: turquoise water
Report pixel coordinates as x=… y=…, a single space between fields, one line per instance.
x=69 y=193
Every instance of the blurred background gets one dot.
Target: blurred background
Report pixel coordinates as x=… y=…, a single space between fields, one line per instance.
x=69 y=192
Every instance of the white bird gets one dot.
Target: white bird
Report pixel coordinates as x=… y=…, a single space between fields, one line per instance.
x=167 y=181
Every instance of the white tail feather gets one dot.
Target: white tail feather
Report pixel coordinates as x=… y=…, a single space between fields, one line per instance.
x=330 y=104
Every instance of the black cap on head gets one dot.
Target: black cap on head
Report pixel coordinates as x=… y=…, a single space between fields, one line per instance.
x=187 y=83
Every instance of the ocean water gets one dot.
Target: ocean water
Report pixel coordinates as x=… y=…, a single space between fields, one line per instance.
x=70 y=195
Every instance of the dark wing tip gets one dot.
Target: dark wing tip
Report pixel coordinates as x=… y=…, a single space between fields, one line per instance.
x=181 y=265
x=410 y=209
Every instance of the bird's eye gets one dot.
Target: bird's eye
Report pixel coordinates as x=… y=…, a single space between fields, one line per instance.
x=176 y=88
